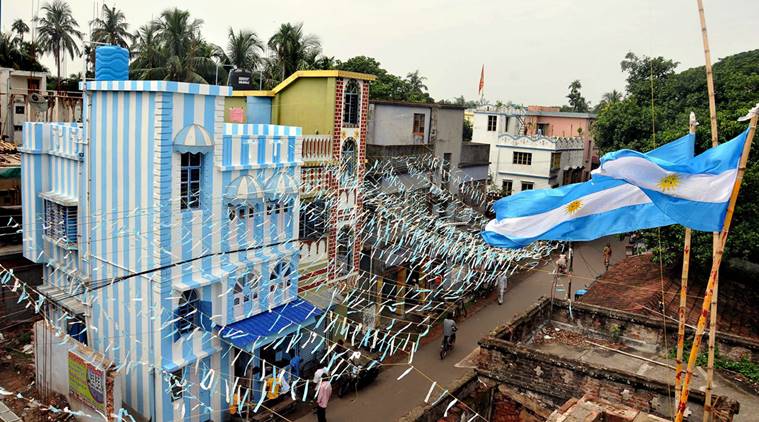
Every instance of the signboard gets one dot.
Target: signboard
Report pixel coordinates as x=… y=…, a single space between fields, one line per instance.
x=86 y=383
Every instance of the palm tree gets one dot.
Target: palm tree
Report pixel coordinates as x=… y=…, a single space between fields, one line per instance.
x=145 y=48
x=20 y=27
x=171 y=48
x=292 y=49
x=112 y=28
x=611 y=97
x=9 y=52
x=58 y=31
x=243 y=50
x=416 y=81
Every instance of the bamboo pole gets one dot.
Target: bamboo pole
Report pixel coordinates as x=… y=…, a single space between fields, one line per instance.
x=715 y=266
x=683 y=291
x=715 y=241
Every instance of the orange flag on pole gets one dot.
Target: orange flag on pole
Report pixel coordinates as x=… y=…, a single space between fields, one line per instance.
x=482 y=79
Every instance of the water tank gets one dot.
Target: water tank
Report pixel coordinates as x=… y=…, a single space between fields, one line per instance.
x=240 y=80
x=111 y=63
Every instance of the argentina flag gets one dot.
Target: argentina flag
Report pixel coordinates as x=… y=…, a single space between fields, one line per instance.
x=694 y=193
x=581 y=211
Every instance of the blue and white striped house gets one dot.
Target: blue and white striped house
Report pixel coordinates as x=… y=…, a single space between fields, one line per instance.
x=172 y=236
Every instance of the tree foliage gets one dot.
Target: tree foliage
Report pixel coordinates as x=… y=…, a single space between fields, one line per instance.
x=388 y=86
x=630 y=123
x=58 y=32
x=577 y=102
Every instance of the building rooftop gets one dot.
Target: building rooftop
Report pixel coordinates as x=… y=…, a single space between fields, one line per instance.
x=158 y=86
x=304 y=74
x=416 y=104
x=635 y=285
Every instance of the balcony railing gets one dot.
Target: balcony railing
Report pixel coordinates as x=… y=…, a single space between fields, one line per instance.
x=317 y=148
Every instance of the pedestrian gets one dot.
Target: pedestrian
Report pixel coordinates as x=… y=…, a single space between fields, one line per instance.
x=323 y=394
x=503 y=281
x=295 y=365
x=607 y=255
x=320 y=373
x=561 y=264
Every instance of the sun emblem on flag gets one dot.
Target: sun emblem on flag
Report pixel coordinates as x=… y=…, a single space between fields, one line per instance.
x=574 y=206
x=669 y=182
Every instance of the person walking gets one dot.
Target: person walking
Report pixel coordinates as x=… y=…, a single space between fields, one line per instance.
x=503 y=281
x=322 y=399
x=607 y=255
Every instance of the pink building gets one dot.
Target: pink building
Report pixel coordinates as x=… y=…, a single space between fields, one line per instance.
x=550 y=121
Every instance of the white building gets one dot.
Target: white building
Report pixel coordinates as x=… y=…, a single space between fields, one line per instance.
x=521 y=162
x=15 y=87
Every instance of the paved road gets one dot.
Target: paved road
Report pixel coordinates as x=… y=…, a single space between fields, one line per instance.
x=388 y=399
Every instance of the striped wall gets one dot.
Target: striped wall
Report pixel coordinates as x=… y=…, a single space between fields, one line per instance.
x=138 y=250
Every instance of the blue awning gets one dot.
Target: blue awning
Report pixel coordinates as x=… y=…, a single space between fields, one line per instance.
x=270 y=325
x=193 y=138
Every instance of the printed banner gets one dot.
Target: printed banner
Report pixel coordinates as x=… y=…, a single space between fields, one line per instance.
x=86 y=382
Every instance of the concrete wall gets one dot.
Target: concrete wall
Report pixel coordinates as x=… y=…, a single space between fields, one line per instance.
x=308 y=103
x=392 y=124
x=51 y=353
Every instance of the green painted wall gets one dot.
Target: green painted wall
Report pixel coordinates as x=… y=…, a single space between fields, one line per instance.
x=308 y=103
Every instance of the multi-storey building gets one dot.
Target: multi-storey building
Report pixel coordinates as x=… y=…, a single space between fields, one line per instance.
x=399 y=131
x=172 y=237
x=491 y=123
x=331 y=107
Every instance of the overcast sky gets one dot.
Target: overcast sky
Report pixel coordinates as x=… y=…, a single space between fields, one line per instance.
x=531 y=50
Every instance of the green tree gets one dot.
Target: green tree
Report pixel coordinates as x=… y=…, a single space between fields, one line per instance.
x=112 y=28
x=577 y=102
x=20 y=27
x=388 y=86
x=628 y=124
x=58 y=32
x=181 y=53
x=293 y=49
x=244 y=50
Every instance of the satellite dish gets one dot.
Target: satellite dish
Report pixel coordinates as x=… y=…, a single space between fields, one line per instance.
x=38 y=102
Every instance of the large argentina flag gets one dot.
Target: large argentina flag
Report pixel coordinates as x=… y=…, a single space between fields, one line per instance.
x=581 y=211
x=694 y=193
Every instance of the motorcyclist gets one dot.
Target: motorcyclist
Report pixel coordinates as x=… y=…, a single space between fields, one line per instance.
x=449 y=329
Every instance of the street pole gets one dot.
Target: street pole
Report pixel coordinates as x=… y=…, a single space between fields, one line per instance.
x=715 y=265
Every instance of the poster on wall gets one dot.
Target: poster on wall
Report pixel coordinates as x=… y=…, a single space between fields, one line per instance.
x=86 y=382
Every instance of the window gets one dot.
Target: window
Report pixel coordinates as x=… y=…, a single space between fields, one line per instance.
x=506 y=187
x=446 y=170
x=313 y=219
x=555 y=160
x=19 y=109
x=77 y=329
x=527 y=185
x=345 y=251
x=492 y=122
x=351 y=104
x=542 y=128
x=282 y=276
x=523 y=158
x=278 y=207
x=176 y=382
x=245 y=288
x=187 y=312
x=348 y=160
x=419 y=124
x=60 y=223
x=241 y=212
x=190 y=180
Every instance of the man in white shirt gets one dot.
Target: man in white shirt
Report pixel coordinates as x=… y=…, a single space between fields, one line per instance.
x=320 y=373
x=503 y=281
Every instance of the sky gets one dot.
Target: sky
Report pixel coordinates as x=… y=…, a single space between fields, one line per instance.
x=531 y=50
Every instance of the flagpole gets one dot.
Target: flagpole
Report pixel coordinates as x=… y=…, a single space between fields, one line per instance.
x=715 y=238
x=715 y=265
x=692 y=123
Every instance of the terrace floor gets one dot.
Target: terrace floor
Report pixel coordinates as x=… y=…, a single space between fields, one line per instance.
x=570 y=345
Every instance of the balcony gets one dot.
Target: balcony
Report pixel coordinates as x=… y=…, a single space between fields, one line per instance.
x=317 y=149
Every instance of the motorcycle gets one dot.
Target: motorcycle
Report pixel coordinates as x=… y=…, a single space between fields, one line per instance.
x=447 y=346
x=356 y=378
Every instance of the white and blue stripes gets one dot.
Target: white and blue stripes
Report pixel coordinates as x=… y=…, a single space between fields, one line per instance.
x=121 y=169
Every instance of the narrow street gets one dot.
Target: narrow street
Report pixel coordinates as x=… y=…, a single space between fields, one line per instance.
x=388 y=399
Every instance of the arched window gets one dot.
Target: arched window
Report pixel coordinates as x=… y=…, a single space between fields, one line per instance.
x=348 y=160
x=187 y=312
x=352 y=103
x=282 y=276
x=345 y=251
